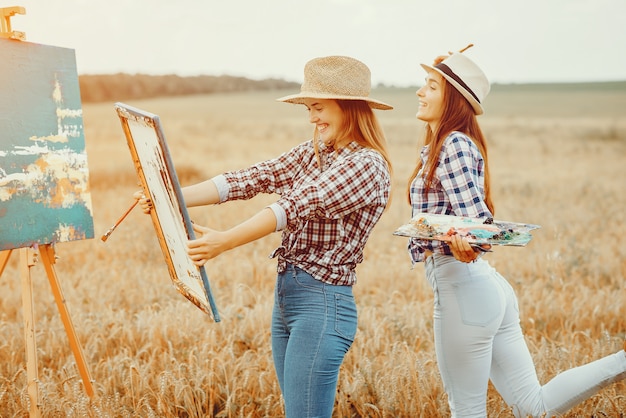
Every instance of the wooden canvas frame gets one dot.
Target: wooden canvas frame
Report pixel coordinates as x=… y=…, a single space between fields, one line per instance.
x=171 y=220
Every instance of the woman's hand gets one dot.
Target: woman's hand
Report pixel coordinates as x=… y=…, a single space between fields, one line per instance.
x=441 y=58
x=211 y=243
x=461 y=249
x=144 y=202
x=208 y=244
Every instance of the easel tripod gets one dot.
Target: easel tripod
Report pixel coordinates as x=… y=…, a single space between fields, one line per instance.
x=28 y=258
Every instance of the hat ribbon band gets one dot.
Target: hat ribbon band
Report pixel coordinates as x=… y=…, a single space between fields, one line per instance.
x=443 y=67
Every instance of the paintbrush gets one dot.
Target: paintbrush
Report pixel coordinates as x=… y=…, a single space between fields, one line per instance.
x=119 y=221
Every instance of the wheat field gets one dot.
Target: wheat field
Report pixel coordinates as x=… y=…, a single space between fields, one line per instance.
x=557 y=159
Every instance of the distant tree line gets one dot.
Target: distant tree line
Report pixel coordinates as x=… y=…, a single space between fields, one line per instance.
x=114 y=87
x=122 y=86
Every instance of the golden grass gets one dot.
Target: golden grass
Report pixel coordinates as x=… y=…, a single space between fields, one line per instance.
x=152 y=353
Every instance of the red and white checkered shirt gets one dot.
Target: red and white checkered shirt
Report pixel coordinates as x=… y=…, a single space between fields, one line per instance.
x=326 y=215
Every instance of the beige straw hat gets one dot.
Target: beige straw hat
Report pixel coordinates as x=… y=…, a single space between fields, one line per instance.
x=336 y=77
x=465 y=76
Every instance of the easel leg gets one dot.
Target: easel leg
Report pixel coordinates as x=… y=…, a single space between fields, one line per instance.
x=27 y=260
x=4 y=258
x=47 y=256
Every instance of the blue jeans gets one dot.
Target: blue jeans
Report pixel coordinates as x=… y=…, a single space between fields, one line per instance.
x=478 y=337
x=313 y=327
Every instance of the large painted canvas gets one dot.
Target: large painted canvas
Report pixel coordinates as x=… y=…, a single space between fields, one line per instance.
x=171 y=220
x=44 y=180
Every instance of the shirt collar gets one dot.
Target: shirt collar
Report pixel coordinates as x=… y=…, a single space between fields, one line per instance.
x=351 y=146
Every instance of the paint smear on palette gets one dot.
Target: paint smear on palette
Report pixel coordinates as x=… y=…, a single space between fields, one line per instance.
x=44 y=179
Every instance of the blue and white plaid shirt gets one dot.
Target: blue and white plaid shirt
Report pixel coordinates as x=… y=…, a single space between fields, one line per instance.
x=457 y=189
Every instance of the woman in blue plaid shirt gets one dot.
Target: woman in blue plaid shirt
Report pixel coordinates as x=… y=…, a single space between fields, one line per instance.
x=333 y=189
x=476 y=318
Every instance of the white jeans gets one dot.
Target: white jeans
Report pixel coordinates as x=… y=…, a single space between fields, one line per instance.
x=478 y=337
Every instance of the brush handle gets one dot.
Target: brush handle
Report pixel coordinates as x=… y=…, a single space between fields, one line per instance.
x=119 y=221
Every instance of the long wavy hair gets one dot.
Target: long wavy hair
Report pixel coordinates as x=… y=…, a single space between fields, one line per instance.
x=360 y=125
x=457 y=115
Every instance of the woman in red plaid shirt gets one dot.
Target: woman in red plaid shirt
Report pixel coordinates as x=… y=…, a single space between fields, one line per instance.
x=333 y=189
x=476 y=317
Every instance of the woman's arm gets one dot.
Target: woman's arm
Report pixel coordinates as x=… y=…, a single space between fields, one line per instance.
x=462 y=186
x=460 y=177
x=212 y=243
x=200 y=194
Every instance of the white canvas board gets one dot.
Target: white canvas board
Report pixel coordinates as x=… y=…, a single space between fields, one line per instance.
x=171 y=220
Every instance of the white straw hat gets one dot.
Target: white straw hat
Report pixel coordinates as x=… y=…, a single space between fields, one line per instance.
x=336 y=77
x=465 y=76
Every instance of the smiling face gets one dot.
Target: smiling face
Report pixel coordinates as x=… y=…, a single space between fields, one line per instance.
x=328 y=119
x=431 y=100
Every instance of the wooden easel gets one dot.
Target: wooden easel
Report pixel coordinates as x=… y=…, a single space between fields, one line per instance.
x=5 y=23
x=28 y=258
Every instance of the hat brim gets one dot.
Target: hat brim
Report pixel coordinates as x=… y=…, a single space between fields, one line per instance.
x=302 y=96
x=478 y=109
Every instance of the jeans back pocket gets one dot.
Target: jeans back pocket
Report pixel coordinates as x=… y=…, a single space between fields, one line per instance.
x=345 y=316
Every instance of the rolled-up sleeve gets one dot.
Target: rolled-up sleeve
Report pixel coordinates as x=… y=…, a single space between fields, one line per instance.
x=222 y=186
x=281 y=216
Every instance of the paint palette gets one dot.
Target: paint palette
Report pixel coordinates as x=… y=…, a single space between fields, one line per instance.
x=430 y=226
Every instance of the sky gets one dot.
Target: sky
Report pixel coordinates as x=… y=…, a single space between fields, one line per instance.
x=514 y=41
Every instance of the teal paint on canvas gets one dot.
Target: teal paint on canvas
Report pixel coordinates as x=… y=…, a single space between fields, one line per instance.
x=44 y=179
